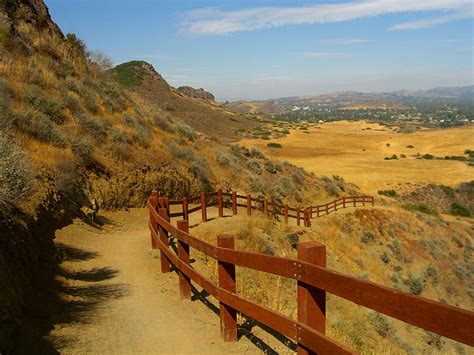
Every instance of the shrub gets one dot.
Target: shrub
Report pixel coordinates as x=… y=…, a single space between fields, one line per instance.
x=39 y=126
x=393 y=157
x=298 y=176
x=254 y=166
x=186 y=132
x=119 y=136
x=49 y=106
x=381 y=323
x=388 y=144
x=14 y=170
x=270 y=167
x=129 y=121
x=416 y=285
x=420 y=208
x=410 y=146
x=73 y=103
x=367 y=237
x=433 y=273
x=274 y=145
x=222 y=158
x=428 y=156
x=459 y=210
x=162 y=123
x=390 y=193
x=385 y=258
x=255 y=153
x=94 y=126
x=82 y=148
x=89 y=102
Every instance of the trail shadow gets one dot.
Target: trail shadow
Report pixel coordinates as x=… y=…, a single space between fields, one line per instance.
x=69 y=253
x=93 y=275
x=98 y=222
x=61 y=297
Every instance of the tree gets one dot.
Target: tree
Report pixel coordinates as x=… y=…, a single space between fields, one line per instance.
x=100 y=59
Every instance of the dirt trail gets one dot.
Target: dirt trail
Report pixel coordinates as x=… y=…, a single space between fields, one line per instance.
x=114 y=300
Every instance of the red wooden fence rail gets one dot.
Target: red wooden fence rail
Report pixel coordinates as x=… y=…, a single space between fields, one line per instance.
x=314 y=280
x=203 y=201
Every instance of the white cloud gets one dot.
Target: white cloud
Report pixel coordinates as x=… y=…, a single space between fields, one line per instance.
x=430 y=22
x=320 y=54
x=212 y=21
x=343 y=42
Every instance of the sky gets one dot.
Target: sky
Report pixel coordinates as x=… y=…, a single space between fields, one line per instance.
x=264 y=49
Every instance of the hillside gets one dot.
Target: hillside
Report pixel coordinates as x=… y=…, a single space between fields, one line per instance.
x=205 y=116
x=76 y=138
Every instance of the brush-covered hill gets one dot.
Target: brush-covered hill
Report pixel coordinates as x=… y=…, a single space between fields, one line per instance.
x=184 y=103
x=75 y=135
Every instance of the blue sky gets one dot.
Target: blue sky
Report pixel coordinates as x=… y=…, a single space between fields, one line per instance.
x=268 y=49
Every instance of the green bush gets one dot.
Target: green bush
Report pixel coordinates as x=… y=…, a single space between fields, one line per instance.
x=49 y=106
x=393 y=157
x=37 y=125
x=385 y=258
x=255 y=153
x=367 y=237
x=416 y=285
x=459 y=210
x=222 y=158
x=82 y=148
x=186 y=132
x=420 y=208
x=14 y=170
x=381 y=324
x=390 y=193
x=163 y=123
x=254 y=166
x=94 y=126
x=274 y=145
x=130 y=73
x=119 y=136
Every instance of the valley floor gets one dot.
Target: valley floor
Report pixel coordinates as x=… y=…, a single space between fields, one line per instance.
x=109 y=297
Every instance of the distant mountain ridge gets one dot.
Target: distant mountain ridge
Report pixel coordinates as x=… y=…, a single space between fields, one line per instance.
x=380 y=99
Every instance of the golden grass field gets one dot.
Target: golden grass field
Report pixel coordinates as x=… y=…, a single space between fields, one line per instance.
x=356 y=153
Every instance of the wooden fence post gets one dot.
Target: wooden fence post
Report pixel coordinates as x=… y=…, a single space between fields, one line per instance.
x=343 y=202
x=203 y=207
x=355 y=199
x=373 y=201
x=327 y=208
x=363 y=201
x=234 y=203
x=154 y=224
x=286 y=214
x=311 y=300
x=228 y=315
x=220 y=203
x=183 y=254
x=249 y=205
x=185 y=209
x=165 y=263
x=308 y=217
x=265 y=206
x=298 y=216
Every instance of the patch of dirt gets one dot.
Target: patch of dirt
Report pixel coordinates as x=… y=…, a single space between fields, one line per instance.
x=108 y=296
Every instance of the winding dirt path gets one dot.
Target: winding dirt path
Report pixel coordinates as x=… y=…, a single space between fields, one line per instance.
x=112 y=298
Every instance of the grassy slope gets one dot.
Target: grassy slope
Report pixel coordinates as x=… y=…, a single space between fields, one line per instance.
x=414 y=252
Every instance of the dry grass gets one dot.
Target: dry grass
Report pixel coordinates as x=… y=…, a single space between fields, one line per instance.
x=417 y=246
x=356 y=153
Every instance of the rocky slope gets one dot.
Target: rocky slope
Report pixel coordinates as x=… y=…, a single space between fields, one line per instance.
x=196 y=93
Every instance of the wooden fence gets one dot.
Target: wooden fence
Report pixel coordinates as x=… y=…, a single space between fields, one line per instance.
x=233 y=200
x=313 y=278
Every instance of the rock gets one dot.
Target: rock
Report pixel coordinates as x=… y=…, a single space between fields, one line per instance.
x=196 y=93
